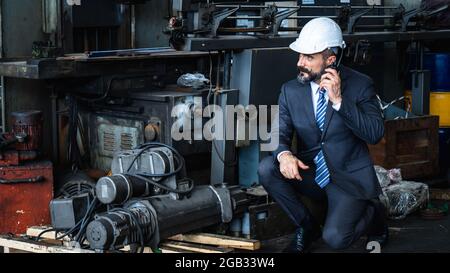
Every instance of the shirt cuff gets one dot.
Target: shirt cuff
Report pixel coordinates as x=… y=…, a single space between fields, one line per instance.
x=336 y=106
x=282 y=153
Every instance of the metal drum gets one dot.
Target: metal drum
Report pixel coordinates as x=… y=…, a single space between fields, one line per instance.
x=439 y=66
x=439 y=105
x=29 y=124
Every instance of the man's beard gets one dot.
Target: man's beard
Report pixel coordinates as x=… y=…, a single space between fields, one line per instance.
x=306 y=76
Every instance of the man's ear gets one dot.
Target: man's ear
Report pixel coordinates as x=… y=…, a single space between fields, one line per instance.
x=331 y=60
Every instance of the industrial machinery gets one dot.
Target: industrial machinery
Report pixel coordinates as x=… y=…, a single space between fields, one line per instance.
x=144 y=200
x=206 y=19
x=26 y=183
x=143 y=117
x=112 y=98
x=145 y=221
x=24 y=141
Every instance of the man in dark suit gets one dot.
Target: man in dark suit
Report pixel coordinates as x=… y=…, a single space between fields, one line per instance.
x=334 y=113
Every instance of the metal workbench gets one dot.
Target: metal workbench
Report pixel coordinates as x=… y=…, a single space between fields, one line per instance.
x=82 y=66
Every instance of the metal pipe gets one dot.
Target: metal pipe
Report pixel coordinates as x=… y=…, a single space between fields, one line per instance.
x=133 y=26
x=219 y=62
x=307 y=7
x=2 y=79
x=86 y=40
x=421 y=51
x=110 y=46
x=96 y=39
x=2 y=104
x=227 y=70
x=55 y=140
x=264 y=29
x=311 y=16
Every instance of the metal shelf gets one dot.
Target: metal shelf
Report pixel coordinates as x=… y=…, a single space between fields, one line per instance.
x=238 y=42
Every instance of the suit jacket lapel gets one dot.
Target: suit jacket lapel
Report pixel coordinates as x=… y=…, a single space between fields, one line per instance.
x=308 y=105
x=328 y=116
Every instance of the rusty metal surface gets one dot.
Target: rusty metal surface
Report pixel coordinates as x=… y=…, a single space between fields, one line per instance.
x=30 y=124
x=9 y=158
x=81 y=66
x=25 y=204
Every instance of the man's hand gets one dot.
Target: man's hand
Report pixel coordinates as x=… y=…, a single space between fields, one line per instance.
x=332 y=83
x=289 y=166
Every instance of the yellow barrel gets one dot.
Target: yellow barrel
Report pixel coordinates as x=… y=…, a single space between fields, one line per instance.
x=439 y=105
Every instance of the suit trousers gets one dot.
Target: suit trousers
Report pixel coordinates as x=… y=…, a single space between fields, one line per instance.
x=347 y=219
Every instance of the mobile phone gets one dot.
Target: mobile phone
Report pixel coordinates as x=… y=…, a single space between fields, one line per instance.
x=334 y=66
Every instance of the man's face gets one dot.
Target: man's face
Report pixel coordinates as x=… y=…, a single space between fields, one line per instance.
x=310 y=67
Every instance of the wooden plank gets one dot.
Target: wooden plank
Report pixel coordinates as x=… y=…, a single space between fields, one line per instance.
x=168 y=249
x=128 y=249
x=440 y=194
x=220 y=240
x=195 y=247
x=35 y=231
x=50 y=238
x=37 y=247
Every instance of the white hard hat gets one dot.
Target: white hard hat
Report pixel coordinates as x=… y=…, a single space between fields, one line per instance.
x=317 y=35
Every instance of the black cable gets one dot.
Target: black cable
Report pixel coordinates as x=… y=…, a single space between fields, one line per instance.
x=43 y=232
x=103 y=96
x=136 y=223
x=208 y=101
x=86 y=219
x=208 y=98
x=145 y=176
x=70 y=231
x=73 y=152
x=214 y=144
x=159 y=185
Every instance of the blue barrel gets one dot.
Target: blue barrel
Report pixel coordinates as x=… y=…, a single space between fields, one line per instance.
x=439 y=65
x=444 y=149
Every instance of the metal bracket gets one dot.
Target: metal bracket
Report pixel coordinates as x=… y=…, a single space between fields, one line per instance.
x=279 y=17
x=421 y=92
x=407 y=16
x=420 y=13
x=353 y=19
x=218 y=17
x=362 y=52
x=226 y=207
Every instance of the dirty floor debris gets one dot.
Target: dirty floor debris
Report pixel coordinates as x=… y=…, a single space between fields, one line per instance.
x=410 y=235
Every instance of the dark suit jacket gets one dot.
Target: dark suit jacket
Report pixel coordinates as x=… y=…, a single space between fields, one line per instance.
x=345 y=135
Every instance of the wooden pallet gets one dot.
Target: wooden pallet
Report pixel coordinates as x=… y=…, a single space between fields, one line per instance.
x=182 y=243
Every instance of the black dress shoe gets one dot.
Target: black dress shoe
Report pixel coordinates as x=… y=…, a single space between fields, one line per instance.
x=379 y=231
x=382 y=238
x=302 y=241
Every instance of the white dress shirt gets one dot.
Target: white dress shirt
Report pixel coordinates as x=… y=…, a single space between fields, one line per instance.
x=315 y=98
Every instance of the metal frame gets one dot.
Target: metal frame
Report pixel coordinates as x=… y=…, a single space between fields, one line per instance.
x=2 y=78
x=238 y=42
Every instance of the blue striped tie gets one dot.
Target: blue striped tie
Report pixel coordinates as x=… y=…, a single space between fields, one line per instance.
x=322 y=174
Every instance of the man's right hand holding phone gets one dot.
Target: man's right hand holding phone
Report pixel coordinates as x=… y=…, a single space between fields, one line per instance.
x=289 y=166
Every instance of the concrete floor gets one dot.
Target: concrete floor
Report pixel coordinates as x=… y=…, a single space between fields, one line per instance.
x=410 y=235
